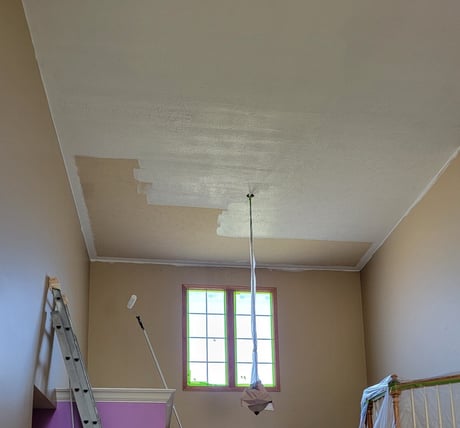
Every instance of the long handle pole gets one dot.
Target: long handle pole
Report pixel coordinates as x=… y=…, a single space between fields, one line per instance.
x=157 y=364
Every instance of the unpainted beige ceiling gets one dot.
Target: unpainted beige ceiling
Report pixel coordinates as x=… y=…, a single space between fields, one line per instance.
x=187 y=235
x=337 y=115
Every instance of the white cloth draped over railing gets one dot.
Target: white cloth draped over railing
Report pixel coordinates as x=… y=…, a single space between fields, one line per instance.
x=425 y=403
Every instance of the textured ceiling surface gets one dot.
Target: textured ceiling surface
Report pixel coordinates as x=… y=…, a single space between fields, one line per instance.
x=337 y=115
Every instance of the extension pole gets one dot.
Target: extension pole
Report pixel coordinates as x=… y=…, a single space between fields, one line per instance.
x=157 y=364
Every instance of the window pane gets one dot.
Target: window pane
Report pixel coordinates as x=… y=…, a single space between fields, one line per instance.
x=217 y=374
x=196 y=301
x=243 y=374
x=263 y=303
x=216 y=350
x=216 y=302
x=243 y=327
x=244 y=350
x=197 y=349
x=216 y=326
x=244 y=371
x=264 y=351
x=197 y=373
x=242 y=303
x=266 y=374
x=202 y=374
x=264 y=327
x=196 y=325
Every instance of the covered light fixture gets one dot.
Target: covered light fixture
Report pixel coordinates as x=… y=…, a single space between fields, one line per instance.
x=255 y=397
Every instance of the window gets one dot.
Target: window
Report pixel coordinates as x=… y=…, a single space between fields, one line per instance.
x=217 y=340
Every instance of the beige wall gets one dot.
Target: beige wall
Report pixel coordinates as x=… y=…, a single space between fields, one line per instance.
x=320 y=333
x=411 y=289
x=39 y=230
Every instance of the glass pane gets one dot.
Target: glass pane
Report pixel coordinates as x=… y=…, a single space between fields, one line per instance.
x=216 y=326
x=196 y=301
x=217 y=374
x=197 y=373
x=242 y=302
x=264 y=327
x=216 y=302
x=216 y=350
x=263 y=303
x=243 y=327
x=266 y=374
x=243 y=374
x=197 y=349
x=264 y=351
x=196 y=325
x=244 y=351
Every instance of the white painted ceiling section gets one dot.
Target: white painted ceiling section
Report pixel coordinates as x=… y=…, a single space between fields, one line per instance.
x=337 y=114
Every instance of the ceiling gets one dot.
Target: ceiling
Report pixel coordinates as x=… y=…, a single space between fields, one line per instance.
x=337 y=114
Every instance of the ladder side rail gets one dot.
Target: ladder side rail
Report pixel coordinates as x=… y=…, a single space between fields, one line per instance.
x=81 y=388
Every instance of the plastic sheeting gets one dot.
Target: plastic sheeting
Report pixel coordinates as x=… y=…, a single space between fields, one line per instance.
x=255 y=398
x=436 y=406
x=383 y=411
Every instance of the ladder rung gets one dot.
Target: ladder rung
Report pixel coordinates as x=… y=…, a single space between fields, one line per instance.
x=79 y=382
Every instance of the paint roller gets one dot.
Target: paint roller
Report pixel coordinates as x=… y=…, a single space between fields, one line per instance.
x=131 y=301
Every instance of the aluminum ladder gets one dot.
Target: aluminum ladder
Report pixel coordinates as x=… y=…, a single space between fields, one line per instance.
x=79 y=383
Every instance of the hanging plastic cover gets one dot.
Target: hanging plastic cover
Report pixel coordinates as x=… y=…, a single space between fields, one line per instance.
x=255 y=398
x=384 y=417
x=422 y=403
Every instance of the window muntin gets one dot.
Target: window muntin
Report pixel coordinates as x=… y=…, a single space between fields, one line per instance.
x=217 y=338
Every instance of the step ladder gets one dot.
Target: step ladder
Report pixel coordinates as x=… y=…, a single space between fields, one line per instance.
x=79 y=383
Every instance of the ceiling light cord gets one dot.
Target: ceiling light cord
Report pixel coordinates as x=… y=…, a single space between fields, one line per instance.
x=254 y=371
